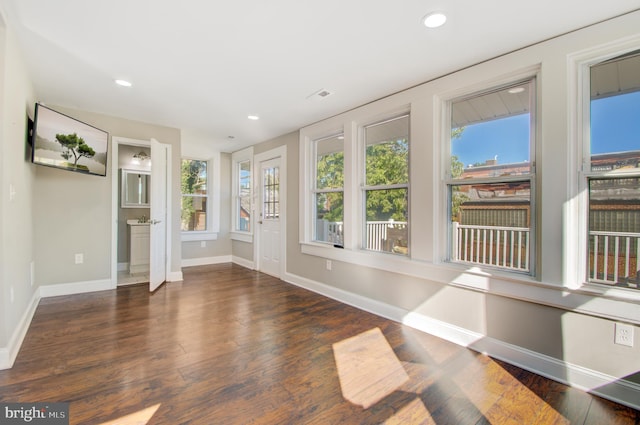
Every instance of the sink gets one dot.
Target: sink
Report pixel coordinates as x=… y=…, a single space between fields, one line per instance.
x=136 y=223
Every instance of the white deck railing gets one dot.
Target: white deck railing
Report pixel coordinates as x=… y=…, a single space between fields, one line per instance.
x=613 y=258
x=377 y=232
x=508 y=247
x=505 y=247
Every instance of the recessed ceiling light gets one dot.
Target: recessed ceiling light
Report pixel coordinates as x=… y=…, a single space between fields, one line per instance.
x=434 y=20
x=253 y=117
x=516 y=90
x=123 y=83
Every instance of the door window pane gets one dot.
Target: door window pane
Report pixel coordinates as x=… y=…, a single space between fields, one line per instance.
x=271 y=193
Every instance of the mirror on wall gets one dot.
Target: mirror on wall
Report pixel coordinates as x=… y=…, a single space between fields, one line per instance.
x=135 y=188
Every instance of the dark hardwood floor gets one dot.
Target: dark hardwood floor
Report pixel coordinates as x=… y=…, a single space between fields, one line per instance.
x=232 y=346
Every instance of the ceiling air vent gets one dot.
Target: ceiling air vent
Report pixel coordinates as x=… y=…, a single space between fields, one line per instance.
x=320 y=94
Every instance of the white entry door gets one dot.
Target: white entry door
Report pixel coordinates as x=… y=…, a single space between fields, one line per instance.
x=269 y=217
x=158 y=226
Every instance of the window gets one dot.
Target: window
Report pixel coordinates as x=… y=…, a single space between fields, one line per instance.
x=386 y=186
x=243 y=219
x=328 y=190
x=270 y=193
x=242 y=195
x=612 y=165
x=490 y=178
x=194 y=195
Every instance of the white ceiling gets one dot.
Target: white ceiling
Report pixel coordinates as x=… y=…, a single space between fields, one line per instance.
x=205 y=65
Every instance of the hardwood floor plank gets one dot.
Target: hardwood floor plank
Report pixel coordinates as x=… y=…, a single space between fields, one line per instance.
x=230 y=345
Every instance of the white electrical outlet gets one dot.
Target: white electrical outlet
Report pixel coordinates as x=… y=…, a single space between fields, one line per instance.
x=79 y=258
x=329 y=265
x=624 y=334
x=203 y=244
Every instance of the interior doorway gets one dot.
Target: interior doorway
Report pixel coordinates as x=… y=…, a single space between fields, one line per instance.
x=132 y=199
x=271 y=183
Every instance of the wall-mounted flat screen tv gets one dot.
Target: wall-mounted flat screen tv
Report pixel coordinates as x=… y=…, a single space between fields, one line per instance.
x=60 y=141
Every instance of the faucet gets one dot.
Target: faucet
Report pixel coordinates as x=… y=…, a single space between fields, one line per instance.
x=142 y=219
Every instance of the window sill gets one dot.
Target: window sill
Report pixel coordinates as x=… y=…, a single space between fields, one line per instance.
x=242 y=236
x=610 y=303
x=198 y=236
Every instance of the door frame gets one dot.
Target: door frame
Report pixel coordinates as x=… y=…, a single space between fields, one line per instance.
x=116 y=141
x=279 y=152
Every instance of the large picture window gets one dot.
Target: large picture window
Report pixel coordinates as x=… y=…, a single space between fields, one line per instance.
x=613 y=172
x=194 y=195
x=386 y=186
x=490 y=178
x=328 y=190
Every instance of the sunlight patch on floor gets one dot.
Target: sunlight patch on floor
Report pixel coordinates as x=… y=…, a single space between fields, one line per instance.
x=369 y=371
x=498 y=394
x=368 y=368
x=140 y=417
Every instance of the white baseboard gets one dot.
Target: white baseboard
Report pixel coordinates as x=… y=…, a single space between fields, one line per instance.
x=123 y=267
x=243 y=262
x=75 y=288
x=363 y=303
x=9 y=353
x=592 y=381
x=203 y=261
x=603 y=385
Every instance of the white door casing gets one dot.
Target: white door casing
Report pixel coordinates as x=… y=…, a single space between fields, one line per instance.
x=270 y=178
x=269 y=217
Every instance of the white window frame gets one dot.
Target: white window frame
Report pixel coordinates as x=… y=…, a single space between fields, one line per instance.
x=314 y=189
x=579 y=72
x=237 y=158
x=213 y=201
x=531 y=79
x=364 y=188
x=308 y=136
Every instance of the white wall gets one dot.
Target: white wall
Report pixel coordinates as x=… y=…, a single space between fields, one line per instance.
x=17 y=176
x=73 y=211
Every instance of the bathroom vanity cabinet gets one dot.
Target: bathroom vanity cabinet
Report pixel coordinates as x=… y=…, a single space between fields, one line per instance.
x=139 y=248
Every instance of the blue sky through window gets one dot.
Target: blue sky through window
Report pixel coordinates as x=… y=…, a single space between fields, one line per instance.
x=615 y=127
x=615 y=123
x=508 y=138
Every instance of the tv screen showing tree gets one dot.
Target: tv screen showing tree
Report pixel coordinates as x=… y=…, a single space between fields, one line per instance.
x=63 y=142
